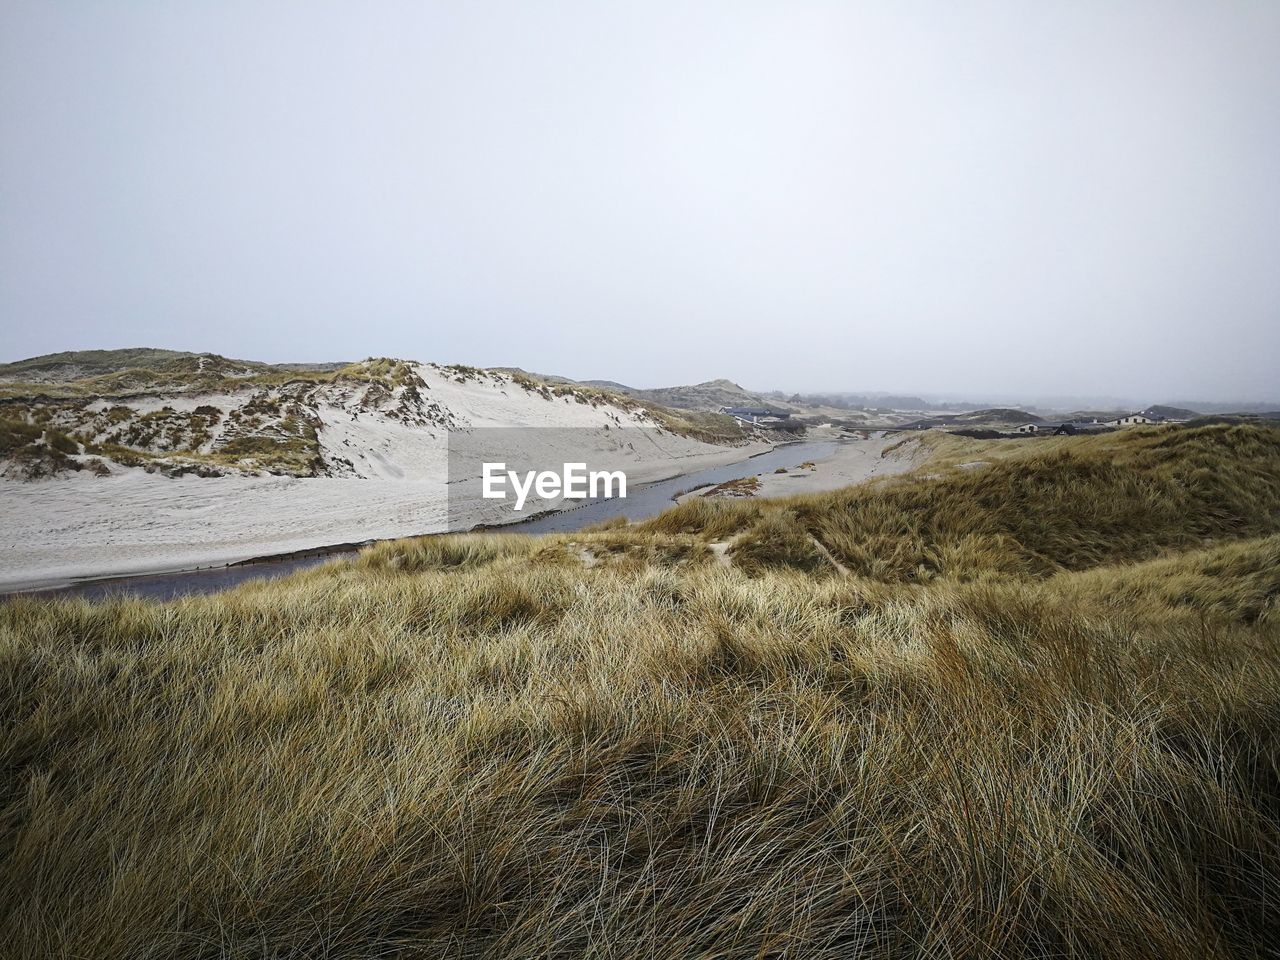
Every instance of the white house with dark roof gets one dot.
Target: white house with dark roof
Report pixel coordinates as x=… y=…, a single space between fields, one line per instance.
x=1134 y=420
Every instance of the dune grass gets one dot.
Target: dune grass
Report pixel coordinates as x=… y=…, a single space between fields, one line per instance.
x=1036 y=508
x=485 y=746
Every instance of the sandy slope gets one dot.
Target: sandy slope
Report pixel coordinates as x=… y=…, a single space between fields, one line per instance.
x=79 y=525
x=853 y=461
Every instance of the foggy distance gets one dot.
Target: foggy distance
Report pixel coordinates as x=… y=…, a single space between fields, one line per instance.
x=1005 y=201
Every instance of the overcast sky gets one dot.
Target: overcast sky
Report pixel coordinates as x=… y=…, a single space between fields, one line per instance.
x=981 y=197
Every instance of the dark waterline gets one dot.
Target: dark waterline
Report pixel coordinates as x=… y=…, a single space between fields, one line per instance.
x=641 y=503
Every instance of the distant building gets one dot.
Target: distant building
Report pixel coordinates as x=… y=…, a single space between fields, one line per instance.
x=1066 y=428
x=1134 y=419
x=755 y=414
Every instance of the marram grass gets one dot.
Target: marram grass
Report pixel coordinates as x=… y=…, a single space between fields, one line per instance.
x=496 y=747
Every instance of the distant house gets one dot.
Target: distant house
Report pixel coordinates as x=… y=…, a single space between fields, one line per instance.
x=1066 y=428
x=755 y=414
x=1133 y=420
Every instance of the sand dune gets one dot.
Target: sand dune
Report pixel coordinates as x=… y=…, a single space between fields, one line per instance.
x=393 y=481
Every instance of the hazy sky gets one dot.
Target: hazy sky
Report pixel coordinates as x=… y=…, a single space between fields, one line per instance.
x=980 y=197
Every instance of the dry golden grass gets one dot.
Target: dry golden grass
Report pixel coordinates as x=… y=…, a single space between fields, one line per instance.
x=481 y=747
x=1039 y=507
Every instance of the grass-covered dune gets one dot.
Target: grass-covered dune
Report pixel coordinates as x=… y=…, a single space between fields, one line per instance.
x=617 y=745
x=1027 y=510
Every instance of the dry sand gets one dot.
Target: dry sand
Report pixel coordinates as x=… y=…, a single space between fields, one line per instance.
x=134 y=522
x=852 y=462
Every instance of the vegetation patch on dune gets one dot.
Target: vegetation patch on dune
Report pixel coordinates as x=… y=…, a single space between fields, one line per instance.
x=269 y=424
x=35 y=450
